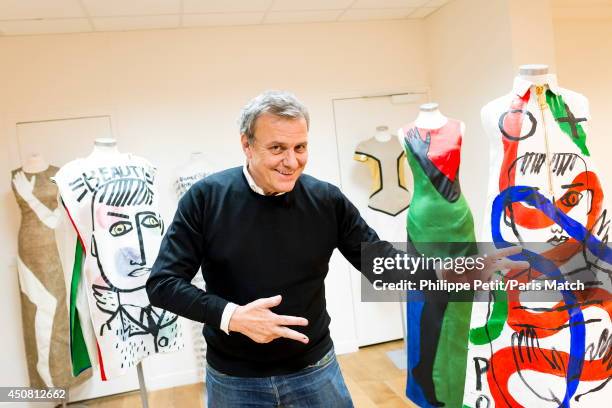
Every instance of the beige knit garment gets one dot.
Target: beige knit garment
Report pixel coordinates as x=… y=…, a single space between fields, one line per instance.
x=39 y=260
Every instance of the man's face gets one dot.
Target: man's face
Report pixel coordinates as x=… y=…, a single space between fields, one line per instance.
x=278 y=153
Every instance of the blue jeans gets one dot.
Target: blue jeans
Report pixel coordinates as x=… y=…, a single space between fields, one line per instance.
x=317 y=386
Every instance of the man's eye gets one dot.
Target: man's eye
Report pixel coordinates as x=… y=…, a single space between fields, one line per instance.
x=150 y=221
x=571 y=198
x=300 y=148
x=120 y=228
x=275 y=149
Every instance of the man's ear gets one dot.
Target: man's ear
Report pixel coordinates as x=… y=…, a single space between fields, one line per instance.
x=246 y=147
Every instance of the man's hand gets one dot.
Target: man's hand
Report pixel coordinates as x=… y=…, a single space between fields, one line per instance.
x=493 y=262
x=256 y=321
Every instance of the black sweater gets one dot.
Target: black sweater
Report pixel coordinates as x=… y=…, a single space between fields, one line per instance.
x=251 y=246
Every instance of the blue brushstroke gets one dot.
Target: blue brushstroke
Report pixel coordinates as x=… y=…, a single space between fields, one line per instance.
x=577 y=231
x=414 y=313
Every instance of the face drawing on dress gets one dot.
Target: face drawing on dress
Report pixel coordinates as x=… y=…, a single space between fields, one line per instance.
x=114 y=210
x=571 y=195
x=123 y=229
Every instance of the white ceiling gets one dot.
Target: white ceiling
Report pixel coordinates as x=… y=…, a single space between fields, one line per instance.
x=22 y=17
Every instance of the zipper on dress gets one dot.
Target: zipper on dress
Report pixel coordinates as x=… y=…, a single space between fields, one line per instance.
x=541 y=94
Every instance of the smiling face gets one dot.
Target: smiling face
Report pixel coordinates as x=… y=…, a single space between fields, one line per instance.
x=278 y=153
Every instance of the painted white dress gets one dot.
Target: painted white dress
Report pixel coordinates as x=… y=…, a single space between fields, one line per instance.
x=113 y=205
x=555 y=350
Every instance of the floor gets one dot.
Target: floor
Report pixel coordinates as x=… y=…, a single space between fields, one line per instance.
x=372 y=379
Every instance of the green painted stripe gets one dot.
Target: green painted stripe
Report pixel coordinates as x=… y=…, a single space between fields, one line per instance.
x=573 y=129
x=495 y=324
x=78 y=349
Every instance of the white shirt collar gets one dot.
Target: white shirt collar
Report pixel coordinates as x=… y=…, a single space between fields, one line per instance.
x=252 y=183
x=522 y=85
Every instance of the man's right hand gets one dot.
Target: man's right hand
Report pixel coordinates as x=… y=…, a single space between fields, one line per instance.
x=256 y=321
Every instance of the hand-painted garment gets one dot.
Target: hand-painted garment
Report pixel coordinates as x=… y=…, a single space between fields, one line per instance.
x=439 y=224
x=544 y=188
x=386 y=162
x=43 y=292
x=185 y=180
x=113 y=205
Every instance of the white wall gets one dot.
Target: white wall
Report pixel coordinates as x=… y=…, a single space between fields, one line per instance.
x=584 y=58
x=171 y=92
x=532 y=33
x=469 y=45
x=474 y=49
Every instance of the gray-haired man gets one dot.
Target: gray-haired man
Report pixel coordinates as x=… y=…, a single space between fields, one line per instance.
x=263 y=235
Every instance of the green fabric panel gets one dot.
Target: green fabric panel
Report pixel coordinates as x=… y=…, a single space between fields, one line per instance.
x=78 y=349
x=433 y=219
x=559 y=111
x=450 y=364
x=495 y=324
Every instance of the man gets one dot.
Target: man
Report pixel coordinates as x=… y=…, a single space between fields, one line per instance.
x=263 y=235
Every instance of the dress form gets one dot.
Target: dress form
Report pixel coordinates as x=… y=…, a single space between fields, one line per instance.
x=389 y=189
x=429 y=117
x=439 y=223
x=43 y=292
x=197 y=163
x=104 y=147
x=36 y=163
x=191 y=172
x=382 y=134
x=113 y=205
x=536 y=74
x=544 y=188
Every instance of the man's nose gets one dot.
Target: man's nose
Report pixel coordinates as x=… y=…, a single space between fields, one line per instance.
x=290 y=159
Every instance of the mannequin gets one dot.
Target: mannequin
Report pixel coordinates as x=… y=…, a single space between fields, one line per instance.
x=112 y=199
x=43 y=293
x=195 y=169
x=543 y=188
x=429 y=117
x=536 y=74
x=36 y=163
x=389 y=193
x=104 y=147
x=439 y=223
x=382 y=134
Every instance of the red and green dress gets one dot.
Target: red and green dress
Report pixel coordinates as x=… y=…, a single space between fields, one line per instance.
x=439 y=224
